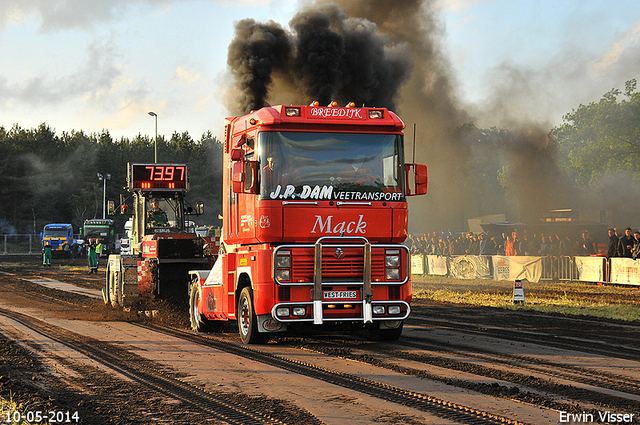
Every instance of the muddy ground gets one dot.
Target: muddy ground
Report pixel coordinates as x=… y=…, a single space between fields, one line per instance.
x=31 y=384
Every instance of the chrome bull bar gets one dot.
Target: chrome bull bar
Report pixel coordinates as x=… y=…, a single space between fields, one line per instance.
x=367 y=311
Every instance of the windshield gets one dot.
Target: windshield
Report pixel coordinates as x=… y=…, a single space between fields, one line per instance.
x=164 y=214
x=96 y=231
x=331 y=166
x=55 y=233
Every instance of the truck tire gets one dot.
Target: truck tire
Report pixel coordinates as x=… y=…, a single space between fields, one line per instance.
x=106 y=290
x=119 y=288
x=199 y=323
x=248 y=321
x=115 y=292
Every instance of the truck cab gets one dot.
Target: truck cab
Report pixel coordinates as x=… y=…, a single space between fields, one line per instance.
x=100 y=230
x=59 y=236
x=315 y=214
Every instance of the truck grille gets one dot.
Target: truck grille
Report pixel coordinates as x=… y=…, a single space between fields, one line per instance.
x=348 y=268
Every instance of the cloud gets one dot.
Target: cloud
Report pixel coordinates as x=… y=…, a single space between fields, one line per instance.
x=69 y=14
x=456 y=6
x=544 y=91
x=185 y=76
x=58 y=15
x=622 y=48
x=101 y=94
x=128 y=111
x=96 y=75
x=245 y=3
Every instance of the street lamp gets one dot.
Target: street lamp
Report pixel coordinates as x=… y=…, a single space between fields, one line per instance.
x=104 y=178
x=153 y=114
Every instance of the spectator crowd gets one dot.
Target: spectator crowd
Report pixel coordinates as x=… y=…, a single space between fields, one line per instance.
x=626 y=245
x=520 y=242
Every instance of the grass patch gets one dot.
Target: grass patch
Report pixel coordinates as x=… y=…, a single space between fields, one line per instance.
x=20 y=414
x=571 y=298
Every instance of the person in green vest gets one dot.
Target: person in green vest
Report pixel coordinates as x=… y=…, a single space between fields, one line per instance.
x=99 y=247
x=92 y=257
x=46 y=254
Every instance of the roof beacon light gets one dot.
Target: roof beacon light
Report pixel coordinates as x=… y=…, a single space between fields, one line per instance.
x=333 y=104
x=315 y=103
x=292 y=112
x=375 y=114
x=350 y=105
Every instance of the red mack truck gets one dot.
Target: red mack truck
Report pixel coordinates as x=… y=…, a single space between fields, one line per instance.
x=314 y=219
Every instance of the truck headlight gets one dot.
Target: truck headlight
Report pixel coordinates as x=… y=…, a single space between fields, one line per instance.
x=299 y=311
x=282 y=311
x=283 y=261
x=282 y=264
x=393 y=274
x=392 y=264
x=394 y=309
x=283 y=275
x=378 y=309
x=392 y=258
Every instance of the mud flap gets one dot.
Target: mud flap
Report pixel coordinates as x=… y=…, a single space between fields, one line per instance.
x=266 y=323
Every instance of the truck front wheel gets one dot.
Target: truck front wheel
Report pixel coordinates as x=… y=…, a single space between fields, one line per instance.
x=115 y=292
x=248 y=321
x=199 y=323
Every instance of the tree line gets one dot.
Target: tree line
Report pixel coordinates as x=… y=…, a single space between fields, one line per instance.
x=49 y=178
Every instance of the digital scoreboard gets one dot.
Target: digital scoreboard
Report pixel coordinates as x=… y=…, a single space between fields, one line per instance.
x=158 y=177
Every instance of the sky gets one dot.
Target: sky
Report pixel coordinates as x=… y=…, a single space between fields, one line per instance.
x=103 y=65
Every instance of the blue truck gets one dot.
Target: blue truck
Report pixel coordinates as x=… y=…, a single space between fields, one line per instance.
x=59 y=236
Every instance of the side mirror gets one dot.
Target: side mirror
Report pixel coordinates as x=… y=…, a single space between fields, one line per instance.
x=237 y=154
x=245 y=177
x=417 y=179
x=238 y=176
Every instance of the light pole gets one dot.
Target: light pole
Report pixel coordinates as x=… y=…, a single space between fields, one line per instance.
x=153 y=114
x=104 y=178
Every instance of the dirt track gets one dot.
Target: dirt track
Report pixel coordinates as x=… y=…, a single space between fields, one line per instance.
x=521 y=367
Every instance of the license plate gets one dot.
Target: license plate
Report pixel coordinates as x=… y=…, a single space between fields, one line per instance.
x=340 y=294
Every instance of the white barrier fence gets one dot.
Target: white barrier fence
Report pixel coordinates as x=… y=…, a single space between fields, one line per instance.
x=625 y=271
x=533 y=269
x=591 y=269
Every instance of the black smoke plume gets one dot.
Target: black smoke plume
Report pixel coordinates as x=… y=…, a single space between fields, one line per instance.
x=326 y=57
x=254 y=53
